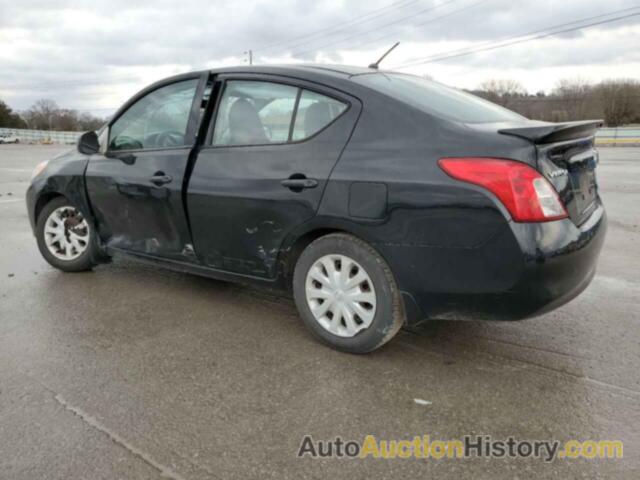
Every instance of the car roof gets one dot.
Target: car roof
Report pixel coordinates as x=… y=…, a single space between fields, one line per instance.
x=332 y=74
x=303 y=70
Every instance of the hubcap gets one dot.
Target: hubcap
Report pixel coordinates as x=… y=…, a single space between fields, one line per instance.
x=340 y=295
x=66 y=233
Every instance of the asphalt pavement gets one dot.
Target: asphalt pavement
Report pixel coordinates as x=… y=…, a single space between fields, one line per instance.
x=131 y=371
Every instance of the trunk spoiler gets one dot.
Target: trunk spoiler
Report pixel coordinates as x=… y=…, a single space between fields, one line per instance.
x=555 y=132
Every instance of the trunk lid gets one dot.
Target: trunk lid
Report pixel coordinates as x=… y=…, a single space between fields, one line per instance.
x=567 y=158
x=545 y=133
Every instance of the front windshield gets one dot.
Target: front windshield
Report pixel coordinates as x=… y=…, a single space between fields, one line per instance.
x=437 y=99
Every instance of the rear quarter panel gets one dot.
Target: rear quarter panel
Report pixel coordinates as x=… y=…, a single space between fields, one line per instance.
x=435 y=231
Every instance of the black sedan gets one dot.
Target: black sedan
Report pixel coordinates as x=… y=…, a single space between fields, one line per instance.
x=381 y=199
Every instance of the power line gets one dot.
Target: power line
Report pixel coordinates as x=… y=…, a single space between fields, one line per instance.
x=419 y=24
x=344 y=30
x=523 y=38
x=492 y=42
x=356 y=20
x=379 y=27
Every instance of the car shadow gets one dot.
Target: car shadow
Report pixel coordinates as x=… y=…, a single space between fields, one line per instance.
x=520 y=342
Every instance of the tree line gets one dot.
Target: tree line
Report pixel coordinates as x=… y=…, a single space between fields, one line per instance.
x=617 y=102
x=47 y=115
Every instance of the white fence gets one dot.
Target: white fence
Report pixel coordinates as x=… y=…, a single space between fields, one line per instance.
x=42 y=136
x=618 y=136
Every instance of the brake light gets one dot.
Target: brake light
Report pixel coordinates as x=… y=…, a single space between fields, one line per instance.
x=527 y=195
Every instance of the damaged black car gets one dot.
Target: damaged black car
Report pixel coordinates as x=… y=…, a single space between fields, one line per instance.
x=380 y=199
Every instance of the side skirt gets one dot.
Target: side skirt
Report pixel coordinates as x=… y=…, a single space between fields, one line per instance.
x=203 y=271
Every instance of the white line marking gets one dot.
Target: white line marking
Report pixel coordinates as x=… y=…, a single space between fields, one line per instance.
x=11 y=201
x=118 y=440
x=420 y=401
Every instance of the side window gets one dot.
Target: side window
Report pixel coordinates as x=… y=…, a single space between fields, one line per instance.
x=158 y=120
x=315 y=111
x=254 y=113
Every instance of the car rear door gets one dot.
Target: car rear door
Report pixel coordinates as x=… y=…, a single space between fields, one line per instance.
x=135 y=184
x=262 y=171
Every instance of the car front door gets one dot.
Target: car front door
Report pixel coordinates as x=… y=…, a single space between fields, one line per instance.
x=263 y=169
x=135 y=184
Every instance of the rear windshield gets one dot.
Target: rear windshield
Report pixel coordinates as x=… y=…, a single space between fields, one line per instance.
x=436 y=99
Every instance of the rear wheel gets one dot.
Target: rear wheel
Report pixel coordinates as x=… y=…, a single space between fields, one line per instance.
x=346 y=294
x=65 y=238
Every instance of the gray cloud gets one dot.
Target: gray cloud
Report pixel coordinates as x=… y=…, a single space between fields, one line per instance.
x=86 y=53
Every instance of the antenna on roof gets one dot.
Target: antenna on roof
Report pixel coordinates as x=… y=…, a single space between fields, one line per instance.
x=375 y=64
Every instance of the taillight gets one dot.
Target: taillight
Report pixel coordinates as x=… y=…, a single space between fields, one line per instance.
x=527 y=195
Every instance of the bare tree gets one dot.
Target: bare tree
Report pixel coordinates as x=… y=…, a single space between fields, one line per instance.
x=615 y=101
x=40 y=115
x=46 y=115
x=501 y=91
x=86 y=121
x=620 y=101
x=573 y=95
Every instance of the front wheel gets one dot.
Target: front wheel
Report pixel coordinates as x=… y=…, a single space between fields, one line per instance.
x=65 y=238
x=346 y=294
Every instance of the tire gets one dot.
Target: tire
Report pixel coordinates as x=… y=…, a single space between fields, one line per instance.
x=77 y=261
x=375 y=306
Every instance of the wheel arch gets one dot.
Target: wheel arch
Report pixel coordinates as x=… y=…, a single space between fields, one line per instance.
x=298 y=240
x=43 y=200
x=295 y=247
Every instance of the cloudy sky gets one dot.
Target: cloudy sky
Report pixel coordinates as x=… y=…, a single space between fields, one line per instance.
x=93 y=55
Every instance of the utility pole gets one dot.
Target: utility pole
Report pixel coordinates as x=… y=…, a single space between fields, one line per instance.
x=250 y=56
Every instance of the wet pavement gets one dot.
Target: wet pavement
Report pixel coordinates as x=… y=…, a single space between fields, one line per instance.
x=131 y=371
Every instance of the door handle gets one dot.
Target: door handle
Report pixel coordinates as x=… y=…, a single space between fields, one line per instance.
x=299 y=184
x=160 y=179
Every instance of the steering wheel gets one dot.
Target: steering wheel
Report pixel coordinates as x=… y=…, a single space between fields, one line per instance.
x=171 y=138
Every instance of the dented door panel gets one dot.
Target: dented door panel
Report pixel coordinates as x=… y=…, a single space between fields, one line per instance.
x=134 y=213
x=239 y=209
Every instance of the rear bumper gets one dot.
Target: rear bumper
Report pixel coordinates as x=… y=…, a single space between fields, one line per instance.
x=524 y=271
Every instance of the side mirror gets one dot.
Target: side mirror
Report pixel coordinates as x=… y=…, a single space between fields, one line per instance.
x=88 y=143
